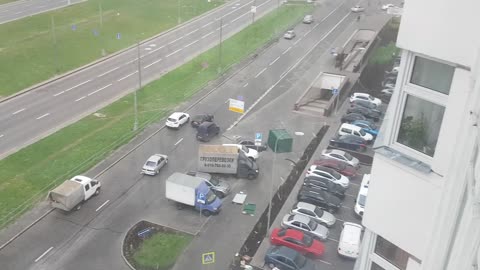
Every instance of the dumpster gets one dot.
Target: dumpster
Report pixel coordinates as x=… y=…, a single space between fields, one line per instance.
x=280 y=141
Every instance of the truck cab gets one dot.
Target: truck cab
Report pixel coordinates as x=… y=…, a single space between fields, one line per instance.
x=247 y=168
x=90 y=186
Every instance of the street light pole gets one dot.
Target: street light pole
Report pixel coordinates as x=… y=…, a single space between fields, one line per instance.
x=178 y=12
x=220 y=47
x=271 y=188
x=254 y=10
x=135 y=110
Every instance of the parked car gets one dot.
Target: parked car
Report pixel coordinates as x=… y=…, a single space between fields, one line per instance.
x=387 y=91
x=339 y=166
x=298 y=241
x=368 y=113
x=350 y=142
x=285 y=258
x=305 y=224
x=290 y=34
x=315 y=181
x=329 y=174
x=319 y=198
x=177 y=119
x=251 y=144
x=308 y=19
x=314 y=212
x=349 y=242
x=362 y=196
x=365 y=96
x=154 y=163
x=364 y=103
x=357 y=8
x=341 y=155
x=350 y=117
x=198 y=119
x=367 y=126
x=349 y=129
x=387 y=6
x=219 y=187
x=206 y=131
x=250 y=153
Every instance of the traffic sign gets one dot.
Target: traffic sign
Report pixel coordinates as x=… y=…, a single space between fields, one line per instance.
x=334 y=91
x=208 y=258
x=236 y=106
x=74 y=27
x=253 y=9
x=258 y=138
x=119 y=35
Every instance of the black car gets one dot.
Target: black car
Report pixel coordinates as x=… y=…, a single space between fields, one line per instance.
x=198 y=119
x=206 y=131
x=319 y=198
x=251 y=144
x=363 y=103
x=350 y=117
x=351 y=142
x=368 y=113
x=324 y=184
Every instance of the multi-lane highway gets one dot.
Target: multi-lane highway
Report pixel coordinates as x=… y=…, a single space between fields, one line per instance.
x=91 y=238
x=36 y=114
x=24 y=8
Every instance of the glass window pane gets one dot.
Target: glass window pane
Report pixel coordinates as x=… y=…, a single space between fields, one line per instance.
x=420 y=126
x=376 y=267
x=391 y=253
x=432 y=75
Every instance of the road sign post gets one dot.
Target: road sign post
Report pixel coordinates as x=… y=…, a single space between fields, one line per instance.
x=258 y=139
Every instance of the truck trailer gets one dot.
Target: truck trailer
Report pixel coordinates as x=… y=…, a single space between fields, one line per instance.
x=71 y=193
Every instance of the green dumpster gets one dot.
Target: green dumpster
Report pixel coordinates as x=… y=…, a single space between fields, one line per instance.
x=282 y=139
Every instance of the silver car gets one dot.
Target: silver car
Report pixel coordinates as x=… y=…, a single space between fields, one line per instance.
x=154 y=163
x=308 y=19
x=306 y=224
x=290 y=34
x=314 y=212
x=220 y=188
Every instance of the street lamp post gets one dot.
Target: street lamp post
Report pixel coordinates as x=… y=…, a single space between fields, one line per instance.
x=135 y=110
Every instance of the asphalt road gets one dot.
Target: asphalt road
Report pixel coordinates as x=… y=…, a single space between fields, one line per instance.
x=24 y=8
x=91 y=238
x=29 y=117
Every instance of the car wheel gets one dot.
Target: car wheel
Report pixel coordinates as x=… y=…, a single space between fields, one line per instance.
x=188 y=119
x=251 y=176
x=206 y=213
x=271 y=265
x=97 y=192
x=251 y=158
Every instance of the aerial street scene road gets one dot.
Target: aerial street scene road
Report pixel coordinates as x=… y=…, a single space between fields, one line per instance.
x=239 y=134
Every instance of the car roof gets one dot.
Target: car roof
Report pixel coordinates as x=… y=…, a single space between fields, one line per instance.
x=350 y=126
x=305 y=205
x=335 y=151
x=301 y=218
x=284 y=251
x=351 y=232
x=356 y=94
x=81 y=179
x=321 y=168
x=176 y=115
x=294 y=233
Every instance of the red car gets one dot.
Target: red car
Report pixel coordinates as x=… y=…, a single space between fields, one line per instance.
x=298 y=241
x=338 y=166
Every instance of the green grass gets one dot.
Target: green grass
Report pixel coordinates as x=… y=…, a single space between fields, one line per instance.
x=161 y=250
x=6 y=1
x=28 y=174
x=32 y=50
x=385 y=54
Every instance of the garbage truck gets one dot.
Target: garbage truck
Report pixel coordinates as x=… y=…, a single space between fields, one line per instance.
x=187 y=190
x=226 y=159
x=72 y=193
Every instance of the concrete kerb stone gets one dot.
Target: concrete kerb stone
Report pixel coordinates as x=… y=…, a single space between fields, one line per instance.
x=103 y=59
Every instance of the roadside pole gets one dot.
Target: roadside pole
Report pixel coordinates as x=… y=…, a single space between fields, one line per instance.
x=135 y=109
x=219 y=69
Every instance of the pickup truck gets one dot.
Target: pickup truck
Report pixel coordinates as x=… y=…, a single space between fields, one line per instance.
x=72 y=193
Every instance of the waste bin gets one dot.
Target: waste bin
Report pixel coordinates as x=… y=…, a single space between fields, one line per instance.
x=282 y=139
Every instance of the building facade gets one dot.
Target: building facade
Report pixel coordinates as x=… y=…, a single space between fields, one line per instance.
x=423 y=204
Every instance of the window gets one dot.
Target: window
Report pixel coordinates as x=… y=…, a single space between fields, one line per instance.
x=391 y=253
x=420 y=125
x=432 y=75
x=87 y=187
x=376 y=267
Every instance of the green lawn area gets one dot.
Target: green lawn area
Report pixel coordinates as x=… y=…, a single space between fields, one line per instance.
x=36 y=48
x=78 y=147
x=6 y=1
x=161 y=250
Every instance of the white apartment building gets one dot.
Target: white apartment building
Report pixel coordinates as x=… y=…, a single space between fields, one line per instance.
x=423 y=204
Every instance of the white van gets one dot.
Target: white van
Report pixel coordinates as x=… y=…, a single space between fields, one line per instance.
x=362 y=196
x=349 y=129
x=349 y=242
x=250 y=153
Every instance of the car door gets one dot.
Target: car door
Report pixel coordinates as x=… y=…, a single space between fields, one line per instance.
x=298 y=225
x=291 y=242
x=284 y=262
x=181 y=119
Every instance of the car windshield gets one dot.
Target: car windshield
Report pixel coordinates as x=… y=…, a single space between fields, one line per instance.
x=214 y=181
x=371 y=98
x=150 y=164
x=245 y=149
x=318 y=211
x=362 y=199
x=211 y=197
x=307 y=240
x=348 y=156
x=336 y=174
x=312 y=224
x=362 y=132
x=341 y=166
x=172 y=119
x=300 y=260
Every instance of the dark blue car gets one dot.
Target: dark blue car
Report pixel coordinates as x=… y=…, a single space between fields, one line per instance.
x=367 y=126
x=350 y=142
x=285 y=258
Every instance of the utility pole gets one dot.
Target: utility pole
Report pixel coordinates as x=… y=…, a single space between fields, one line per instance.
x=220 y=47
x=178 y=12
x=135 y=110
x=55 y=47
x=100 y=10
x=254 y=10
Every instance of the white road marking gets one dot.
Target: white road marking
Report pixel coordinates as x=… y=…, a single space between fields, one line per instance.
x=354 y=184
x=347 y=207
x=100 y=207
x=43 y=254
x=350 y=195
x=123 y=78
x=288 y=49
x=191 y=43
x=296 y=42
x=179 y=141
x=208 y=34
x=175 y=40
x=19 y=111
x=134 y=60
x=148 y=49
x=238 y=18
x=78 y=99
x=207 y=24
x=1 y=135
x=153 y=63
x=107 y=72
x=17 y=12
x=153 y=45
x=307 y=33
x=170 y=54
x=59 y=93
x=77 y=85
x=325 y=262
x=42 y=116
x=98 y=90
x=225 y=24
x=316 y=25
x=333 y=239
x=159 y=48
x=245 y=85
x=273 y=62
x=260 y=73
x=192 y=32
x=341 y=220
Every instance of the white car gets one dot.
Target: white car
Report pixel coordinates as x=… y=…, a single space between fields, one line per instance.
x=362 y=196
x=349 y=242
x=306 y=224
x=342 y=156
x=349 y=129
x=290 y=34
x=388 y=91
x=177 y=119
x=314 y=212
x=365 y=97
x=154 y=163
x=328 y=174
x=357 y=8
x=387 y=6
x=250 y=153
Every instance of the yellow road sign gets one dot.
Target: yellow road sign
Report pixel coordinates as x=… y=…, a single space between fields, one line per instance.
x=208 y=258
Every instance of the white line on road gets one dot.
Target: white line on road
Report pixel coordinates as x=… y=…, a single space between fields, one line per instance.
x=307 y=33
x=170 y=54
x=192 y=32
x=341 y=220
x=43 y=254
x=19 y=111
x=123 y=78
x=208 y=34
x=1 y=135
x=273 y=62
x=179 y=141
x=333 y=239
x=17 y=12
x=98 y=90
x=350 y=195
x=100 y=207
x=152 y=51
x=134 y=60
x=260 y=73
x=77 y=85
x=78 y=99
x=191 y=43
x=153 y=63
x=239 y=17
x=107 y=72
x=225 y=24
x=325 y=262
x=354 y=184
x=59 y=93
x=175 y=40
x=296 y=42
x=207 y=24
x=42 y=116
x=347 y=207
x=245 y=85
x=288 y=49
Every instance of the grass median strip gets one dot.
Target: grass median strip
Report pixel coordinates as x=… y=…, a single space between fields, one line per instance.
x=27 y=175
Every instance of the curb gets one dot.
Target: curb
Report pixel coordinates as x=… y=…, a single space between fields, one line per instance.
x=103 y=59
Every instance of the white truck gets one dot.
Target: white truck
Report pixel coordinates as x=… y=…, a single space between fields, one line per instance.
x=71 y=193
